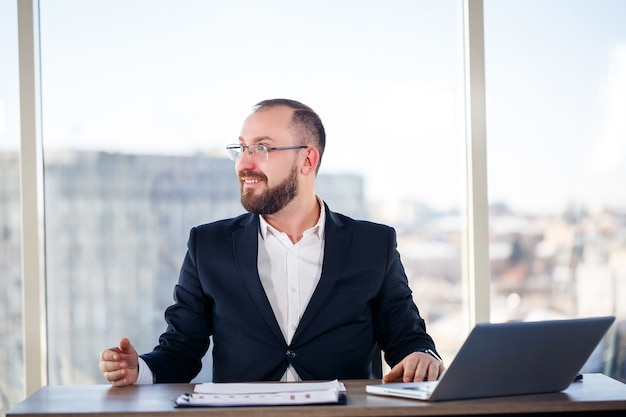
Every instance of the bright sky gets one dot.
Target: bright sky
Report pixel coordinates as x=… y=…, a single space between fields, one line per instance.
x=385 y=76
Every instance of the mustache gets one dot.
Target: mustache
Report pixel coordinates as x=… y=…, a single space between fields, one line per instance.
x=251 y=174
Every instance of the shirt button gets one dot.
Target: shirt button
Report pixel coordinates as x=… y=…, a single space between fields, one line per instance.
x=290 y=354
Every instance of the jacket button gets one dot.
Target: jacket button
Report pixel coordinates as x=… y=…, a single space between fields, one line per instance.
x=290 y=354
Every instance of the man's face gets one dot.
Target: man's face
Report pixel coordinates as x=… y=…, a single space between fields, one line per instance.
x=268 y=184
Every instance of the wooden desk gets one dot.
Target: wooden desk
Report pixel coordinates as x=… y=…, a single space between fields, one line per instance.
x=596 y=395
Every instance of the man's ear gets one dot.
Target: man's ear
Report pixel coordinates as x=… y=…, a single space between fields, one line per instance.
x=311 y=160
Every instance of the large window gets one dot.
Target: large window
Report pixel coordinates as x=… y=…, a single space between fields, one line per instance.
x=11 y=360
x=140 y=98
x=556 y=100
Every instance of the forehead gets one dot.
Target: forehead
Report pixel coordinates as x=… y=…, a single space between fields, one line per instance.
x=267 y=124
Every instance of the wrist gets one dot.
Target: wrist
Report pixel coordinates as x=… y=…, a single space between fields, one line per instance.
x=431 y=353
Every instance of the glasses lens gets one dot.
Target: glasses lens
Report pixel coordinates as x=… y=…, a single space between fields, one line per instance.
x=233 y=151
x=261 y=151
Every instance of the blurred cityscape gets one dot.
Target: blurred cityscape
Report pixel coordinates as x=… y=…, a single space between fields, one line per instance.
x=116 y=232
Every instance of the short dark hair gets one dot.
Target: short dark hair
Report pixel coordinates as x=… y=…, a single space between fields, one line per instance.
x=308 y=125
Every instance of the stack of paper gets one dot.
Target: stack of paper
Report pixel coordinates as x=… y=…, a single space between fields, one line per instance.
x=262 y=393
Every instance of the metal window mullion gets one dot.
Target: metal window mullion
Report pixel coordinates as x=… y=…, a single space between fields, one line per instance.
x=477 y=282
x=31 y=188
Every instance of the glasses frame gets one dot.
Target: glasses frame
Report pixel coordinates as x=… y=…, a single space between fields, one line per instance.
x=253 y=150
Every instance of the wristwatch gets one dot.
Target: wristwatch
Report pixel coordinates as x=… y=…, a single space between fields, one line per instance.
x=432 y=353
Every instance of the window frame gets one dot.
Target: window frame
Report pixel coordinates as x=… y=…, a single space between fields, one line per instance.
x=32 y=202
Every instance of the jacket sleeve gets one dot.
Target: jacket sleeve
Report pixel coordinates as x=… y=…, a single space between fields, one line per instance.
x=400 y=329
x=178 y=356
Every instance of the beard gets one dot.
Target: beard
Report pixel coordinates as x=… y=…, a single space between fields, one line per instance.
x=273 y=199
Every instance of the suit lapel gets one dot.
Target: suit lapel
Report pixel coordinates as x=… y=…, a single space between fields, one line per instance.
x=245 y=245
x=337 y=242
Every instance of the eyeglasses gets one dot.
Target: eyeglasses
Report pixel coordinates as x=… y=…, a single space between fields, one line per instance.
x=257 y=150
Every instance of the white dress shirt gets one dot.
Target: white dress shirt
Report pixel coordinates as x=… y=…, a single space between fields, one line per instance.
x=289 y=273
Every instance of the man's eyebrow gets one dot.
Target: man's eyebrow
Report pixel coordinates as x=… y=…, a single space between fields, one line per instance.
x=257 y=139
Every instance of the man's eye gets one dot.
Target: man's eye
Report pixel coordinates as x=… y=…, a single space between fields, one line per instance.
x=262 y=148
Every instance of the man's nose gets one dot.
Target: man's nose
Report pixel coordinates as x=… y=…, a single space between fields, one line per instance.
x=245 y=160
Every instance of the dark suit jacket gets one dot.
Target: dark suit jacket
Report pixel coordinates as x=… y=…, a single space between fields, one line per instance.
x=362 y=299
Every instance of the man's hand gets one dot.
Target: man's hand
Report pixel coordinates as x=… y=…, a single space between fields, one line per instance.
x=120 y=365
x=418 y=366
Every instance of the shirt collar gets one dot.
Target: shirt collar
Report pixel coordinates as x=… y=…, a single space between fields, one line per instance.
x=317 y=230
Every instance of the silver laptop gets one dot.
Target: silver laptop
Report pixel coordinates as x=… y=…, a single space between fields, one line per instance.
x=512 y=358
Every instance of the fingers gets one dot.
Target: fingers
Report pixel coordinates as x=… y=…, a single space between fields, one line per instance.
x=416 y=367
x=118 y=377
x=427 y=369
x=395 y=373
x=125 y=345
x=112 y=368
x=118 y=365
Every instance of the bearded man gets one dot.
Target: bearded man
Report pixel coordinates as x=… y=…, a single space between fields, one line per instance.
x=290 y=290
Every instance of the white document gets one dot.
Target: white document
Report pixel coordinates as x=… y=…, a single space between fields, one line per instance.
x=263 y=393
